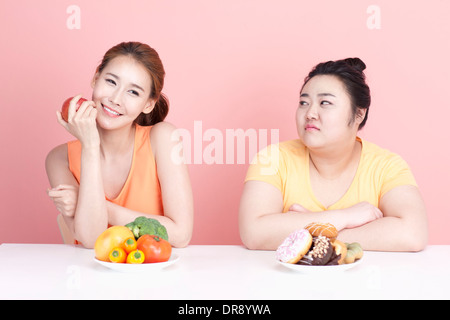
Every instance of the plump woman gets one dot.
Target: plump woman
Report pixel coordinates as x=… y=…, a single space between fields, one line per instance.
x=120 y=165
x=331 y=175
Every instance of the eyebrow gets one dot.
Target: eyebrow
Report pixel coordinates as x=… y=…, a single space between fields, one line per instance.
x=320 y=95
x=118 y=78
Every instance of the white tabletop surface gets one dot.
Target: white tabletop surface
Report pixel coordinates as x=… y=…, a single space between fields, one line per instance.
x=52 y=271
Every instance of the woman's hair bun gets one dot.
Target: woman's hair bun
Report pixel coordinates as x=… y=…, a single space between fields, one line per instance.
x=356 y=63
x=350 y=72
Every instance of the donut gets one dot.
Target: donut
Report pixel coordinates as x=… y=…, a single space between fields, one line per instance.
x=322 y=229
x=341 y=249
x=295 y=246
x=354 y=252
x=320 y=253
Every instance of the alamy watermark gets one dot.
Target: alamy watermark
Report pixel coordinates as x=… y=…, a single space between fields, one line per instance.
x=374 y=19
x=73 y=21
x=213 y=146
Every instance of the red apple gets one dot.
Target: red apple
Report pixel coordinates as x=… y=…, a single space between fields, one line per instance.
x=65 y=107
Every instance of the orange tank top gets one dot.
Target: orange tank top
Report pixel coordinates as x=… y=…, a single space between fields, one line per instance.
x=141 y=191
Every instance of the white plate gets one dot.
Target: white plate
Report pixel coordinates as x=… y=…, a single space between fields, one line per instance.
x=320 y=269
x=144 y=267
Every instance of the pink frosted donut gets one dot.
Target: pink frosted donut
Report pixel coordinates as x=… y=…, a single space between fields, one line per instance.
x=295 y=246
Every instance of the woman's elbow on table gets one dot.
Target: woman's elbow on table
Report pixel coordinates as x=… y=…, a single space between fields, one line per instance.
x=406 y=204
x=182 y=240
x=419 y=232
x=180 y=230
x=86 y=241
x=249 y=242
x=417 y=240
x=252 y=240
x=247 y=239
x=412 y=236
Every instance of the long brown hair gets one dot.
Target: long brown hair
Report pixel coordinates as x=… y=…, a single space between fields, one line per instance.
x=149 y=58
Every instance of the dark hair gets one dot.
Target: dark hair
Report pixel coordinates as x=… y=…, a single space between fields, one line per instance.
x=350 y=72
x=149 y=58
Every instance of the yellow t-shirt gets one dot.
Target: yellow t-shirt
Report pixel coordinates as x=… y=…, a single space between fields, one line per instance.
x=286 y=166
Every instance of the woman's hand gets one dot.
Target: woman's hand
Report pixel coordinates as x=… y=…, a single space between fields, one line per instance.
x=82 y=123
x=65 y=198
x=360 y=214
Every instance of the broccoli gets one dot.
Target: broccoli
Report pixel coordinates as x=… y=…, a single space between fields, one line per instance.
x=143 y=225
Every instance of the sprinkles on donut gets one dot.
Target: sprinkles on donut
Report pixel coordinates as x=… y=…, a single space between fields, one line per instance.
x=295 y=246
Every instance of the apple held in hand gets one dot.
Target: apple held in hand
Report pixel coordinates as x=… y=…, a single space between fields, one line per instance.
x=65 y=107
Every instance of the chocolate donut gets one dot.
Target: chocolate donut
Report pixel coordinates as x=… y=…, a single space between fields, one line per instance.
x=321 y=253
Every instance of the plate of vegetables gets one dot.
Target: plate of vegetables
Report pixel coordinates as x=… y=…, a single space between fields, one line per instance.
x=141 y=267
x=141 y=245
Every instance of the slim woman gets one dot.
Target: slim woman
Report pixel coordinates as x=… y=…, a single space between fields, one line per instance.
x=120 y=167
x=331 y=175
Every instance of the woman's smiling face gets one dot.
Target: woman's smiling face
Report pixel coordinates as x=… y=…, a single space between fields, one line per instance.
x=324 y=116
x=121 y=92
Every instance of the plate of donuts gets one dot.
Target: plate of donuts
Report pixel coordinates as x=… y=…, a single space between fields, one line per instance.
x=306 y=269
x=315 y=249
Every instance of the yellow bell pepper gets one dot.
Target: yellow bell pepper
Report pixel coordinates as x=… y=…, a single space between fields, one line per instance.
x=136 y=257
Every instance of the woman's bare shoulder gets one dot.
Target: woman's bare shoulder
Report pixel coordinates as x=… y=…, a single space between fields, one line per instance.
x=57 y=154
x=164 y=134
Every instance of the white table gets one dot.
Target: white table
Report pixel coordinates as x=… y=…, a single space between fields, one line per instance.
x=51 y=271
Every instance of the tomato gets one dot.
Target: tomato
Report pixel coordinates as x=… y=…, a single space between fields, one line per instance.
x=117 y=255
x=111 y=238
x=130 y=244
x=65 y=107
x=136 y=257
x=155 y=249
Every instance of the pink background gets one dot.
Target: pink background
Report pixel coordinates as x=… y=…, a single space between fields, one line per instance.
x=230 y=64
